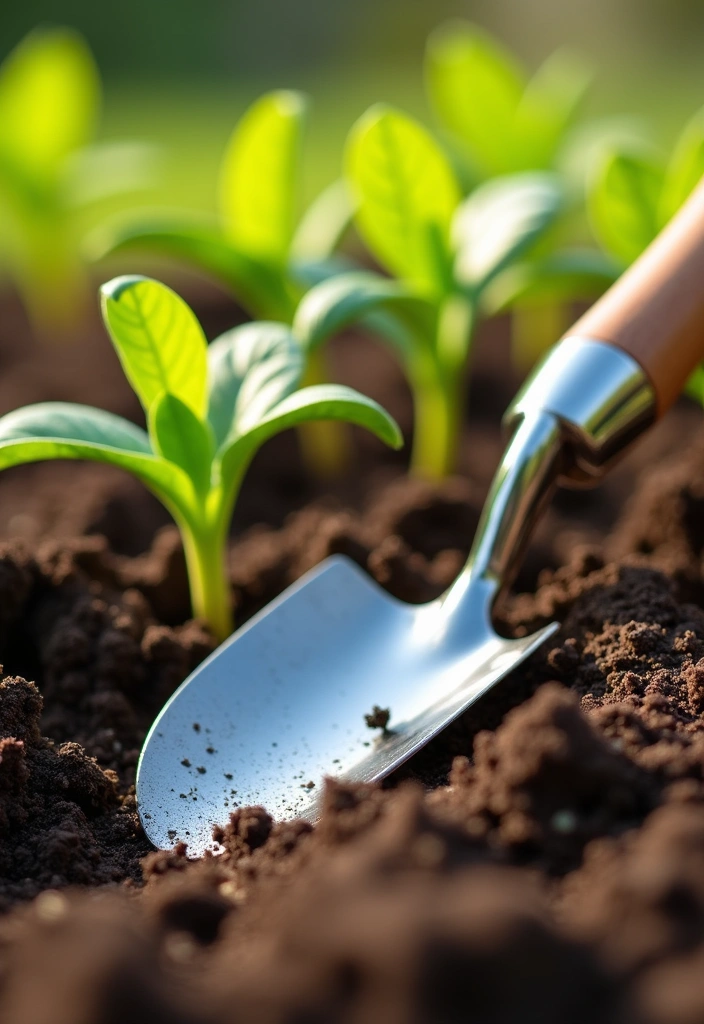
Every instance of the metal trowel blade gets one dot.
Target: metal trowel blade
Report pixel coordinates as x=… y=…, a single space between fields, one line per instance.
x=282 y=703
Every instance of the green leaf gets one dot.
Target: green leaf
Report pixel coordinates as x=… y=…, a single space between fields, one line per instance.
x=308 y=273
x=546 y=110
x=60 y=430
x=406 y=194
x=107 y=169
x=259 y=176
x=564 y=276
x=324 y=223
x=695 y=385
x=49 y=100
x=76 y=423
x=335 y=304
x=182 y=438
x=158 y=340
x=499 y=222
x=623 y=202
x=256 y=285
x=251 y=368
x=475 y=88
x=582 y=155
x=320 y=402
x=685 y=169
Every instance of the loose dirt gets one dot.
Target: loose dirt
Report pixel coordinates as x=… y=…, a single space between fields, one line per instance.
x=541 y=861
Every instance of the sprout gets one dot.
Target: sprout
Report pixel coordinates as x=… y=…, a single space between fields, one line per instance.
x=502 y=121
x=444 y=254
x=257 y=247
x=208 y=408
x=51 y=170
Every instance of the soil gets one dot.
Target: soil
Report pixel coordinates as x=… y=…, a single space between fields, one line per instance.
x=541 y=861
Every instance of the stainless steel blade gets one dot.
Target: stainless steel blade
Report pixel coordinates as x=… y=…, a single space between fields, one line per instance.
x=282 y=704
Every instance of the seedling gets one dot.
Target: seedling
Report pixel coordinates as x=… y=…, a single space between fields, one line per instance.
x=49 y=174
x=208 y=408
x=634 y=192
x=257 y=247
x=636 y=189
x=443 y=253
x=502 y=121
x=499 y=121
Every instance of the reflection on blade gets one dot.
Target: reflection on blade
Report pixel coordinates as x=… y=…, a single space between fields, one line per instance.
x=282 y=704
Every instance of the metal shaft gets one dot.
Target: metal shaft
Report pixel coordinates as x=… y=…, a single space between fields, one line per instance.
x=581 y=408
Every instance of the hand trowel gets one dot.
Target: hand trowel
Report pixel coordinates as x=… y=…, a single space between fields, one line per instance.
x=282 y=704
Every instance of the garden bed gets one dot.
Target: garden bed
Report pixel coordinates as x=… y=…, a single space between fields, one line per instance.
x=542 y=860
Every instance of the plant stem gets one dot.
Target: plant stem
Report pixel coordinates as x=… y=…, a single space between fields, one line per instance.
x=324 y=445
x=439 y=383
x=206 y=561
x=434 y=429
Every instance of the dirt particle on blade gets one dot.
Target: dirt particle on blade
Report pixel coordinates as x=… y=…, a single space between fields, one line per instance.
x=378 y=718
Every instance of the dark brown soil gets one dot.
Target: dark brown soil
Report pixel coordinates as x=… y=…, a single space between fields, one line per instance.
x=541 y=861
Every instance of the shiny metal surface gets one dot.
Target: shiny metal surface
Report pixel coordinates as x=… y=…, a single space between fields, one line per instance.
x=282 y=703
x=600 y=395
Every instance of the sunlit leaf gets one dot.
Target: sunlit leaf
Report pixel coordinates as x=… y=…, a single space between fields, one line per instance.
x=582 y=155
x=324 y=223
x=308 y=273
x=350 y=298
x=60 y=430
x=546 y=110
x=320 y=402
x=251 y=369
x=686 y=168
x=562 y=276
x=623 y=203
x=106 y=169
x=158 y=340
x=406 y=194
x=475 y=87
x=255 y=284
x=75 y=423
x=182 y=438
x=259 y=176
x=49 y=100
x=500 y=221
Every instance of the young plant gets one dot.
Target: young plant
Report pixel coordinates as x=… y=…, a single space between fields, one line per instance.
x=502 y=121
x=634 y=192
x=51 y=171
x=443 y=252
x=636 y=189
x=258 y=247
x=208 y=409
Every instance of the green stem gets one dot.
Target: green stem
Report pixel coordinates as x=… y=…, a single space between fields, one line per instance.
x=436 y=418
x=324 y=445
x=208 y=578
x=439 y=384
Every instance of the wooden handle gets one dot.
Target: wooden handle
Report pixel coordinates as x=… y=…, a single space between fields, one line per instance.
x=655 y=311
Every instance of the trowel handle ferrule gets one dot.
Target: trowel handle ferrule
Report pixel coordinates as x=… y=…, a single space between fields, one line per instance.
x=600 y=396
x=655 y=311
x=626 y=360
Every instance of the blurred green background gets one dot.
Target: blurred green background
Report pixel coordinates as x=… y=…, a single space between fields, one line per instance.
x=180 y=72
